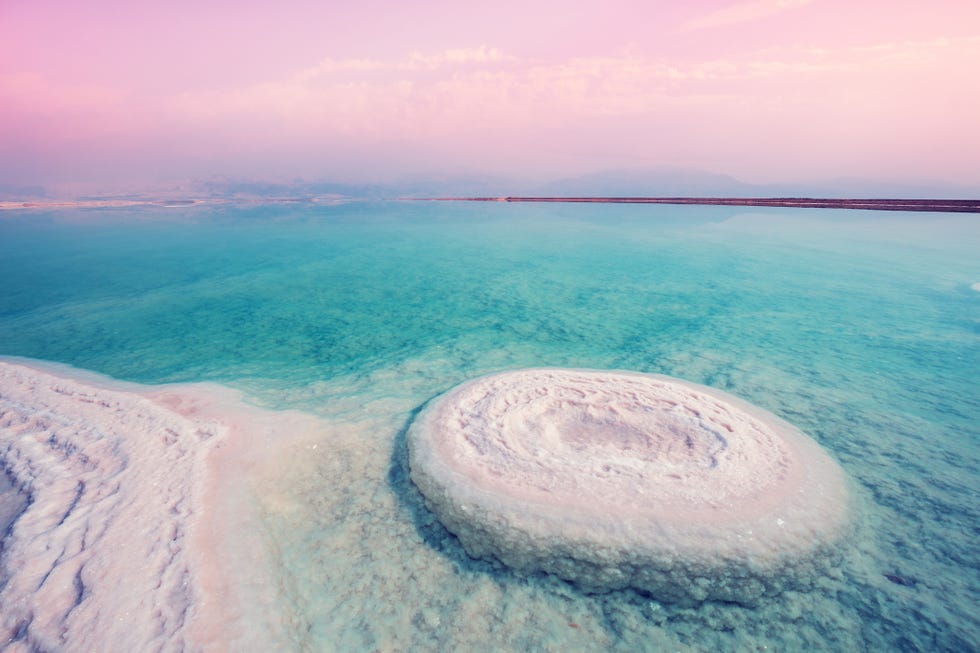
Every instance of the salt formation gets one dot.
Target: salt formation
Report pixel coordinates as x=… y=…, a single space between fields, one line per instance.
x=117 y=526
x=615 y=480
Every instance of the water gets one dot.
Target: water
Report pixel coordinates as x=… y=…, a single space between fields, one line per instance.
x=862 y=329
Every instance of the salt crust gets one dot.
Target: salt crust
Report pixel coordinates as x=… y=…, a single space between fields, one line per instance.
x=619 y=479
x=131 y=516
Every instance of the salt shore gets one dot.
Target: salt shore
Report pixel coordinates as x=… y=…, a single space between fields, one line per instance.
x=127 y=511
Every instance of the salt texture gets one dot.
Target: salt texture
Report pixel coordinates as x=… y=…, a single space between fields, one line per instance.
x=124 y=520
x=615 y=480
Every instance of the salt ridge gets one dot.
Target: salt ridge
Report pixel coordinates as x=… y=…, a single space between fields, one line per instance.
x=120 y=540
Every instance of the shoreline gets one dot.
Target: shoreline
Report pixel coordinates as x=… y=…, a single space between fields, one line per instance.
x=870 y=204
x=148 y=491
x=926 y=205
x=15 y=205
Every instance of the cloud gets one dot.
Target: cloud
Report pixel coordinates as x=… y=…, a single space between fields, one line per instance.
x=474 y=104
x=477 y=94
x=416 y=61
x=454 y=88
x=458 y=56
x=743 y=12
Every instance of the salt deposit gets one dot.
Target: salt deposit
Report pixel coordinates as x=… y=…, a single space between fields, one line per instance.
x=614 y=480
x=123 y=524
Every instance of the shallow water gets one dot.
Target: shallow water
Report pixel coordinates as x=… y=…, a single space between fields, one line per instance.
x=862 y=329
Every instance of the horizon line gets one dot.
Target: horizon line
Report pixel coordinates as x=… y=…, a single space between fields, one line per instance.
x=873 y=204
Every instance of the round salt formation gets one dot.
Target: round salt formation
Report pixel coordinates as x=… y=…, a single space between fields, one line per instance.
x=618 y=479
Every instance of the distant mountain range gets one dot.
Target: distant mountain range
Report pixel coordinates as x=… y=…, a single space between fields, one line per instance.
x=661 y=181
x=686 y=182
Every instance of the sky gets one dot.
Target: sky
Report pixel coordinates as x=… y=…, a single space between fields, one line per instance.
x=123 y=92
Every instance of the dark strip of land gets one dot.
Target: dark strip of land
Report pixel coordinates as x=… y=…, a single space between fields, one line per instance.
x=942 y=206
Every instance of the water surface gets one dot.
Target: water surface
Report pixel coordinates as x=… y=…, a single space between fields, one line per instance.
x=860 y=328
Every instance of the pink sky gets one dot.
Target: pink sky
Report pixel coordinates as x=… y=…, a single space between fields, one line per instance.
x=116 y=91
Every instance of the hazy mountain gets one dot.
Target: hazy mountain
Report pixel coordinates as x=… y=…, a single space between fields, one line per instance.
x=661 y=181
x=666 y=181
x=864 y=188
x=418 y=186
x=458 y=186
x=238 y=188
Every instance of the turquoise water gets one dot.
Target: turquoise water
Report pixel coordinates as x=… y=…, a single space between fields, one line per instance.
x=862 y=329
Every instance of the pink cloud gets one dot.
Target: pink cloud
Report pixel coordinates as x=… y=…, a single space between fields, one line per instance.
x=722 y=109
x=767 y=96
